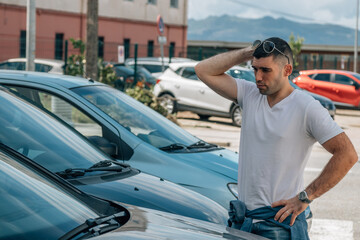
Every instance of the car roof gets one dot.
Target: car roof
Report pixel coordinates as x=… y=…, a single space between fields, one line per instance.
x=312 y=71
x=39 y=60
x=158 y=59
x=241 y=68
x=50 y=79
x=175 y=66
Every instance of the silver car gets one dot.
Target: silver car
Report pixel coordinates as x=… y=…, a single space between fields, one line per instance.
x=181 y=90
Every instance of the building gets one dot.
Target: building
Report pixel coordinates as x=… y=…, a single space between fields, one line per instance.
x=120 y=22
x=311 y=57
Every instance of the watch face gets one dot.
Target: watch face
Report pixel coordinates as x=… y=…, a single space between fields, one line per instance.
x=302 y=196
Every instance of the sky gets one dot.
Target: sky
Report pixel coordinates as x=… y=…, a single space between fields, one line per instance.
x=340 y=12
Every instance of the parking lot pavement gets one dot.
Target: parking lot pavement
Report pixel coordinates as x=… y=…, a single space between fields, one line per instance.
x=336 y=213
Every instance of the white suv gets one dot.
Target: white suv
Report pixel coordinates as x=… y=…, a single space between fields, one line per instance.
x=181 y=90
x=154 y=64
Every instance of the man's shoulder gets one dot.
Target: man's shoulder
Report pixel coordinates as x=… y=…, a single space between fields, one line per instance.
x=303 y=99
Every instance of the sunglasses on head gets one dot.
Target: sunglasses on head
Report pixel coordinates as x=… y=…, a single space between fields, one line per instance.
x=268 y=47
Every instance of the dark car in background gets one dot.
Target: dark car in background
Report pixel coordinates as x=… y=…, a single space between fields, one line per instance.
x=125 y=75
x=36 y=204
x=58 y=148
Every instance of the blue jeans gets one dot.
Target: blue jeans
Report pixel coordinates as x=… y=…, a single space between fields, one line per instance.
x=270 y=230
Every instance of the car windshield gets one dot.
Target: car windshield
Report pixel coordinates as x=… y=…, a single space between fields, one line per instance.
x=42 y=138
x=137 y=118
x=33 y=207
x=356 y=75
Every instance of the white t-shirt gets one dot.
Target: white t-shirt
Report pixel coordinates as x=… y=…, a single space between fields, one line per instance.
x=276 y=143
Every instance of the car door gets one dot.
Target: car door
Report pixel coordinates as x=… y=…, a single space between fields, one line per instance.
x=322 y=85
x=345 y=90
x=193 y=92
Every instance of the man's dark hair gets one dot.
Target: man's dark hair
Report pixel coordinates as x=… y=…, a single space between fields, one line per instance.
x=280 y=44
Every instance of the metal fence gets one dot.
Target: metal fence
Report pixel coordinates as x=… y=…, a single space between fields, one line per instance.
x=14 y=46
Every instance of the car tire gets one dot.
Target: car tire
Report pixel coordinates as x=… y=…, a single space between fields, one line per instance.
x=168 y=102
x=236 y=116
x=204 y=117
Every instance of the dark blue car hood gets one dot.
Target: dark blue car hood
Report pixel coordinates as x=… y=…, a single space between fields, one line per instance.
x=151 y=192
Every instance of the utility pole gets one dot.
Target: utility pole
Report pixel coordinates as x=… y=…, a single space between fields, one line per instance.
x=30 y=35
x=356 y=37
x=91 y=56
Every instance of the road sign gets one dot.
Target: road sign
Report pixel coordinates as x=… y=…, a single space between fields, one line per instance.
x=121 y=56
x=160 y=25
x=162 y=39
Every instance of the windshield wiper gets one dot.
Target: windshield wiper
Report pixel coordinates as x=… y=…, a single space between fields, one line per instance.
x=174 y=146
x=95 y=227
x=202 y=144
x=97 y=167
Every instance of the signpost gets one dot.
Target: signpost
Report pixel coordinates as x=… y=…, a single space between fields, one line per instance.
x=161 y=38
x=121 y=54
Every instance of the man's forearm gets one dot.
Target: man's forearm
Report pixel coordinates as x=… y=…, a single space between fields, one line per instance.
x=220 y=63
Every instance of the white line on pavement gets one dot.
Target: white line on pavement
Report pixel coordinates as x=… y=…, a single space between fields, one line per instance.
x=328 y=229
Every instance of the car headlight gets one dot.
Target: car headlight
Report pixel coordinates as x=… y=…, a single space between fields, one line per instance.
x=232 y=186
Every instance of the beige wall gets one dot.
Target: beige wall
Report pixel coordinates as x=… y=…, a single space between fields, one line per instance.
x=137 y=10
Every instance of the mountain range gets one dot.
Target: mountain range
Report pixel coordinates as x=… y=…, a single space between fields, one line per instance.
x=235 y=29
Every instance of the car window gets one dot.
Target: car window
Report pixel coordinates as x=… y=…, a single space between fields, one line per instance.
x=342 y=79
x=43 y=139
x=189 y=72
x=7 y=65
x=13 y=65
x=322 y=77
x=153 y=68
x=62 y=109
x=33 y=207
x=122 y=70
x=134 y=116
x=42 y=67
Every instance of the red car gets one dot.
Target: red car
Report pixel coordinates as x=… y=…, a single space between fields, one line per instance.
x=342 y=87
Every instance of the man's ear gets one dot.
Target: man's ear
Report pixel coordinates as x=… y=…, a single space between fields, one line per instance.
x=288 y=70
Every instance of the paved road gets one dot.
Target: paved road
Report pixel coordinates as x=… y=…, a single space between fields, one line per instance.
x=336 y=213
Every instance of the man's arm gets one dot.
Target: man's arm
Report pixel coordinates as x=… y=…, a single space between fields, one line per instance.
x=343 y=159
x=212 y=71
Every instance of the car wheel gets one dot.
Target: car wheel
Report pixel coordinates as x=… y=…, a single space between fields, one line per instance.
x=204 y=117
x=236 y=116
x=168 y=102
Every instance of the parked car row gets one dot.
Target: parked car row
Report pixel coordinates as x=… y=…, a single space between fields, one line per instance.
x=124 y=74
x=54 y=128
x=37 y=204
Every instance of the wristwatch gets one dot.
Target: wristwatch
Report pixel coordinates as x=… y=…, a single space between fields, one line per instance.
x=304 y=197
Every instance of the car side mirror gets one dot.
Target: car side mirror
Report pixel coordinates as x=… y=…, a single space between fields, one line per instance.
x=105 y=145
x=357 y=85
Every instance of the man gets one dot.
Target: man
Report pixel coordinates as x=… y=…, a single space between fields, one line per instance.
x=279 y=127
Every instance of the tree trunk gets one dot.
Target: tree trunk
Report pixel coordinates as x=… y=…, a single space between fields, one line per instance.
x=91 y=56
